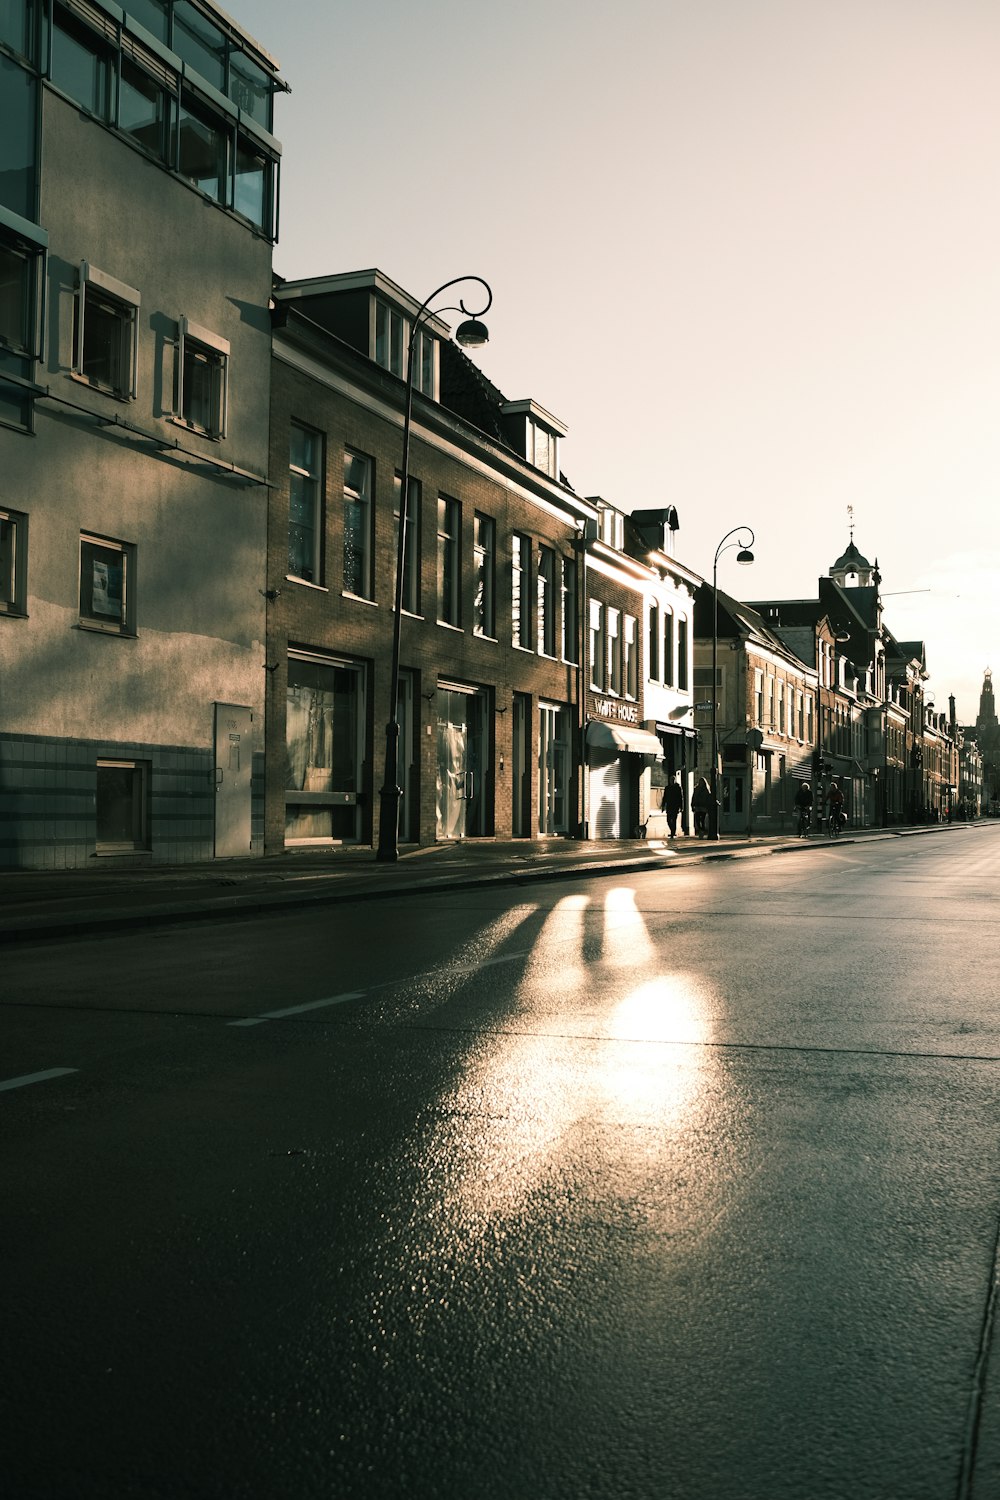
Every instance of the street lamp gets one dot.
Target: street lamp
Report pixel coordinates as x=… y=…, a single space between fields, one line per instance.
x=471 y=334
x=744 y=557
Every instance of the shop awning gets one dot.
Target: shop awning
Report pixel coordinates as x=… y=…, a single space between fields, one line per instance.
x=623 y=737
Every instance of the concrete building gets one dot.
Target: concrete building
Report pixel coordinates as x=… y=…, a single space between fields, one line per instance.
x=137 y=215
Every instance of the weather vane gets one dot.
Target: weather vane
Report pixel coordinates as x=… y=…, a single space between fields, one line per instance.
x=850 y=520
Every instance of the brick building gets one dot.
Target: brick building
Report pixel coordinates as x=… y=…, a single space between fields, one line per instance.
x=502 y=616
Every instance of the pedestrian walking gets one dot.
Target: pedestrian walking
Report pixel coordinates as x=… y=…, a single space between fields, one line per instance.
x=701 y=801
x=673 y=801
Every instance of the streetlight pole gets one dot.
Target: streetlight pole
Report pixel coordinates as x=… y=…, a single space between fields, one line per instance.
x=471 y=334
x=744 y=557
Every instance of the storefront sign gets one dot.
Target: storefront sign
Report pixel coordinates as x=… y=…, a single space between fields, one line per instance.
x=611 y=708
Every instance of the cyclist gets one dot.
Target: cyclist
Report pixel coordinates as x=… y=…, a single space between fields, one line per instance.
x=804 y=802
x=835 y=803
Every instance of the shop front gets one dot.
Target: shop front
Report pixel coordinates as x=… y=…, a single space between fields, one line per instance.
x=619 y=751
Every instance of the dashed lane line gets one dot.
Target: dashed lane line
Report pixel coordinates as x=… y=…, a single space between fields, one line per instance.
x=298 y=1010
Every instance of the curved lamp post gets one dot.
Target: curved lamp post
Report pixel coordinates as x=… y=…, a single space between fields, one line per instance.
x=744 y=557
x=471 y=334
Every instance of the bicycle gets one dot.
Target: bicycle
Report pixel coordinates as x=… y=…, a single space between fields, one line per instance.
x=803 y=823
x=837 y=821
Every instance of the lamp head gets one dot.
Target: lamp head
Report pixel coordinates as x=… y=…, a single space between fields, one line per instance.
x=472 y=334
x=744 y=556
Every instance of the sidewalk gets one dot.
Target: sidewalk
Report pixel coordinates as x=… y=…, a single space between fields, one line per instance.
x=61 y=903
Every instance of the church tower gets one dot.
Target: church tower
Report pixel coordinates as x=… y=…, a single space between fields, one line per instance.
x=987 y=719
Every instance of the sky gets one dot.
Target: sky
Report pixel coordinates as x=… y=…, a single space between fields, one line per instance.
x=748 y=251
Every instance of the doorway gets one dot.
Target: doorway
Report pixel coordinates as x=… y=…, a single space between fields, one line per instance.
x=462 y=762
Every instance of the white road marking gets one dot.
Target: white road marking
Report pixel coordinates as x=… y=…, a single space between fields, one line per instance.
x=26 y=1078
x=298 y=1010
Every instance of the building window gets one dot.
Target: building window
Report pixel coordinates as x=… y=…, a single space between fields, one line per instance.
x=106 y=332
x=758 y=695
x=144 y=109
x=448 y=554
x=411 y=543
x=122 y=804
x=203 y=148
x=21 y=263
x=683 y=666
x=106 y=585
x=542 y=448
x=17 y=27
x=484 y=621
x=305 y=504
x=324 y=741
x=392 y=335
x=653 y=647
x=631 y=649
x=358 y=525
x=82 y=63
x=614 y=649
x=520 y=592
x=596 y=652
x=668 y=647
x=13 y=562
x=570 y=611
x=202 y=379
x=545 y=584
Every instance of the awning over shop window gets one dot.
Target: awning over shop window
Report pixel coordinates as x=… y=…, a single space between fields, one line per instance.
x=623 y=737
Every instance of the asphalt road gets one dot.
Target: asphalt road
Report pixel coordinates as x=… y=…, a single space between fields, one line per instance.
x=678 y=1185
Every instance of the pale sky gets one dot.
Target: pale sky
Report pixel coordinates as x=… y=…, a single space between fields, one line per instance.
x=747 y=250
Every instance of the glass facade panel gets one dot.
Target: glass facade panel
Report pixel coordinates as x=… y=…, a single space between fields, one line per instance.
x=143 y=110
x=199 y=43
x=202 y=150
x=250 y=89
x=322 y=725
x=18 y=23
x=81 y=65
x=17 y=139
x=154 y=15
x=16 y=271
x=250 y=188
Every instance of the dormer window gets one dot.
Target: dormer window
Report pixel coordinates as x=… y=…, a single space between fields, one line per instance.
x=535 y=433
x=612 y=528
x=392 y=336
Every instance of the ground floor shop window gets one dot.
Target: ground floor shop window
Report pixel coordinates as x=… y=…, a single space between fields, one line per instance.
x=463 y=790
x=122 y=804
x=554 y=761
x=323 y=735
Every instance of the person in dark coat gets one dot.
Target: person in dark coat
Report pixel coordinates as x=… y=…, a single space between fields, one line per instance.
x=673 y=801
x=701 y=801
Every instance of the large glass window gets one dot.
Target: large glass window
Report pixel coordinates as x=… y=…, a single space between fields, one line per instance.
x=250 y=189
x=305 y=504
x=144 y=110
x=683 y=654
x=106 y=593
x=82 y=63
x=324 y=718
x=17 y=139
x=358 y=525
x=484 y=616
x=199 y=43
x=250 y=89
x=389 y=334
x=18 y=26
x=203 y=149
x=411 y=543
x=448 y=561
x=18 y=280
x=154 y=15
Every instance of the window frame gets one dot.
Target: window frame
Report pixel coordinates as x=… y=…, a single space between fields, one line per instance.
x=411 y=541
x=122 y=302
x=545 y=603
x=630 y=648
x=103 y=622
x=683 y=654
x=15 y=570
x=484 y=551
x=214 y=352
x=315 y=479
x=596 y=651
x=520 y=591
x=569 y=601
x=449 y=561
x=363 y=499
